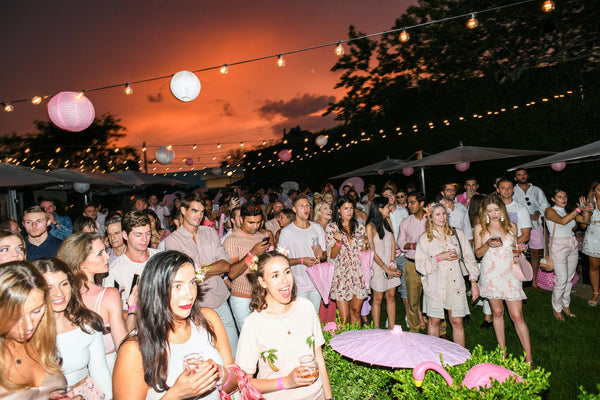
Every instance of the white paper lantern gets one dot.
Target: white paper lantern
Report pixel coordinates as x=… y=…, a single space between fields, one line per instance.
x=217 y=171
x=185 y=86
x=81 y=187
x=321 y=140
x=164 y=155
x=71 y=111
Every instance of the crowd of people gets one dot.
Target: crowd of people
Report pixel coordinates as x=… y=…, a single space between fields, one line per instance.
x=202 y=297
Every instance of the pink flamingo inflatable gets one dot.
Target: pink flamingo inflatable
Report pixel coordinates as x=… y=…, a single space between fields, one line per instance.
x=480 y=375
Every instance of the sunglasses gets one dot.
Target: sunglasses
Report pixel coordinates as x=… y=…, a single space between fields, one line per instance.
x=527 y=200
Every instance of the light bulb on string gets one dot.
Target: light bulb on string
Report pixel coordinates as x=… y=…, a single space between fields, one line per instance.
x=404 y=36
x=472 y=22
x=8 y=107
x=194 y=147
x=339 y=49
x=128 y=89
x=218 y=145
x=36 y=100
x=241 y=144
x=224 y=69
x=80 y=94
x=280 y=61
x=548 y=6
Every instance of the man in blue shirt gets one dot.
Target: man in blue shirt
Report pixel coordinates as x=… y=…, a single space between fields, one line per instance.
x=60 y=227
x=38 y=241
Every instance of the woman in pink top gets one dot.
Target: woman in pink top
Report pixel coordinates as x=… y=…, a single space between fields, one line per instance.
x=281 y=329
x=437 y=259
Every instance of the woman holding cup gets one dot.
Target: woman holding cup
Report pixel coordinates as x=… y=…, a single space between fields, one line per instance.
x=436 y=258
x=171 y=325
x=494 y=236
x=282 y=336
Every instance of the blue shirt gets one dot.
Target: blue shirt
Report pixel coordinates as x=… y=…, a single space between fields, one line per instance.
x=63 y=229
x=48 y=248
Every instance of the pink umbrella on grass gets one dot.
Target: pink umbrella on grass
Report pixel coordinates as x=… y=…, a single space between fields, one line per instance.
x=396 y=348
x=321 y=275
x=366 y=261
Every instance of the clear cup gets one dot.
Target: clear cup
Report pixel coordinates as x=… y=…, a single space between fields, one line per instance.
x=192 y=360
x=516 y=248
x=308 y=361
x=59 y=393
x=453 y=253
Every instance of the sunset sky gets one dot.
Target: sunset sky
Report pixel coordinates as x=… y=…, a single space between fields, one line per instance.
x=52 y=46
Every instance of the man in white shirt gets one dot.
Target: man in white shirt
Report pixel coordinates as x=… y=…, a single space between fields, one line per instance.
x=458 y=215
x=299 y=237
x=161 y=209
x=122 y=271
x=533 y=199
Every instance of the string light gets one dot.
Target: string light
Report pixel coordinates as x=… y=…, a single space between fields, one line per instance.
x=472 y=22
x=224 y=69
x=241 y=144
x=218 y=145
x=128 y=90
x=36 y=100
x=8 y=107
x=194 y=147
x=404 y=36
x=548 y=6
x=339 y=49
x=280 y=61
x=80 y=94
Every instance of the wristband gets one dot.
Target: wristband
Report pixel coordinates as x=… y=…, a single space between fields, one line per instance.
x=339 y=244
x=132 y=308
x=578 y=210
x=280 y=383
x=412 y=246
x=228 y=377
x=437 y=257
x=302 y=260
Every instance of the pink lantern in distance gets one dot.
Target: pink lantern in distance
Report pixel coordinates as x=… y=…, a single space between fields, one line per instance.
x=189 y=161
x=558 y=166
x=380 y=172
x=462 y=166
x=285 y=155
x=71 y=111
x=408 y=171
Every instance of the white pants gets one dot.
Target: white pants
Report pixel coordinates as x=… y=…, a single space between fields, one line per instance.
x=565 y=256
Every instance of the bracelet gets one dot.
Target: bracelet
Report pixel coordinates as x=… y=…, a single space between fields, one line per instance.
x=280 y=383
x=228 y=377
x=302 y=260
x=578 y=210
x=437 y=257
x=412 y=246
x=132 y=308
x=339 y=244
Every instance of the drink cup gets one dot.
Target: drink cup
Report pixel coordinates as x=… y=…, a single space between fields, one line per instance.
x=308 y=361
x=59 y=393
x=192 y=360
x=453 y=252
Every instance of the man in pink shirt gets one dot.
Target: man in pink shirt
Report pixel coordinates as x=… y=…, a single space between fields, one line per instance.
x=411 y=229
x=471 y=187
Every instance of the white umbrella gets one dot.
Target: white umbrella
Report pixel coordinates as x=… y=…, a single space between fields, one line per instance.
x=589 y=152
x=139 y=178
x=373 y=169
x=15 y=175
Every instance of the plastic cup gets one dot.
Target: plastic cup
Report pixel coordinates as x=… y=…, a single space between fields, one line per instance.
x=191 y=360
x=308 y=361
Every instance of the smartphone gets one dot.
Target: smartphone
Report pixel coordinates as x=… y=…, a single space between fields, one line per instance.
x=265 y=240
x=134 y=282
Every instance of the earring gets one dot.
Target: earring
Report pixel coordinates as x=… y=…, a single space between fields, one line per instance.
x=501 y=218
x=487 y=219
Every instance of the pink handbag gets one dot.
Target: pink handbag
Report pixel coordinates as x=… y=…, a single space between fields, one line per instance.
x=88 y=390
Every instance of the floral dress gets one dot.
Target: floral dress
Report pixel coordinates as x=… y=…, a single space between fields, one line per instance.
x=496 y=280
x=347 y=276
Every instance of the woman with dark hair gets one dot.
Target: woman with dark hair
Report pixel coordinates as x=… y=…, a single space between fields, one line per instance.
x=494 y=238
x=565 y=251
x=86 y=256
x=591 y=242
x=78 y=333
x=12 y=247
x=385 y=277
x=437 y=260
x=170 y=326
x=347 y=287
x=84 y=224
x=157 y=233
x=29 y=367
x=281 y=330
x=474 y=208
x=359 y=213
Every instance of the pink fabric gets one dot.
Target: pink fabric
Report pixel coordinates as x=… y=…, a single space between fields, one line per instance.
x=221 y=224
x=366 y=261
x=536 y=240
x=247 y=391
x=410 y=231
x=327 y=313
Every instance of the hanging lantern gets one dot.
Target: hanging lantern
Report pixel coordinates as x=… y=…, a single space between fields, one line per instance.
x=408 y=171
x=380 y=172
x=462 y=166
x=164 y=155
x=285 y=155
x=217 y=171
x=81 y=187
x=185 y=86
x=558 y=166
x=189 y=161
x=71 y=111
x=321 y=140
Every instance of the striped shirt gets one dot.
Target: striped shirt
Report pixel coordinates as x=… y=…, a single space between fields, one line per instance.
x=237 y=245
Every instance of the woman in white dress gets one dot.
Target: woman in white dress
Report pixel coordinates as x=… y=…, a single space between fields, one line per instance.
x=591 y=242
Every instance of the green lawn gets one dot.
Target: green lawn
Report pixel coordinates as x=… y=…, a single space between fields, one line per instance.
x=569 y=350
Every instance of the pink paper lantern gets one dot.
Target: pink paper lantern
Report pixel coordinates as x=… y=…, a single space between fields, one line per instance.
x=189 y=161
x=408 y=171
x=380 y=172
x=285 y=155
x=71 y=111
x=558 y=166
x=462 y=166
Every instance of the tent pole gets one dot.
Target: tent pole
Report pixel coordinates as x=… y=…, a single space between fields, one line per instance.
x=420 y=156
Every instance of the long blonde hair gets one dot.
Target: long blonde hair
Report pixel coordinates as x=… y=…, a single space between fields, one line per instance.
x=73 y=251
x=429 y=228
x=504 y=220
x=591 y=196
x=17 y=280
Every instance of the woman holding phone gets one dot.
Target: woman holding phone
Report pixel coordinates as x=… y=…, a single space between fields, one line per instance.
x=494 y=238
